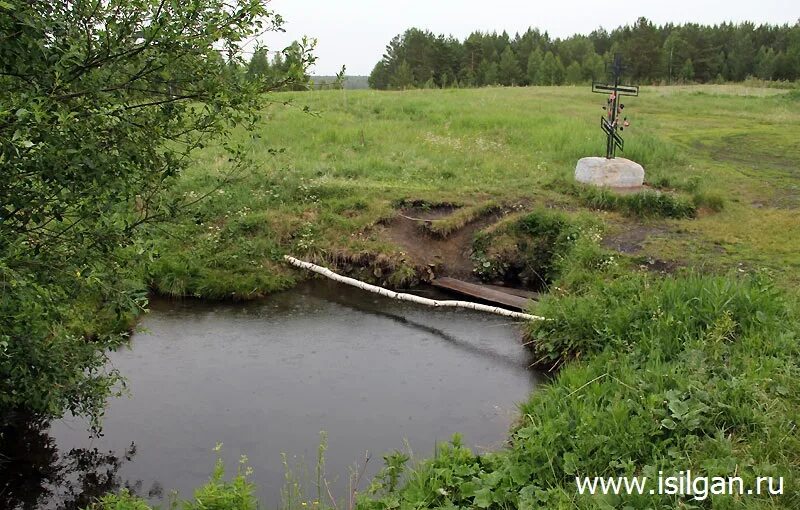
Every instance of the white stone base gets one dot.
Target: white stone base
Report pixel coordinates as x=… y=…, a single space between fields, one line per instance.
x=617 y=172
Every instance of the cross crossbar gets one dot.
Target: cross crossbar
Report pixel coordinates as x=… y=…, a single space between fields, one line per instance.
x=612 y=133
x=622 y=90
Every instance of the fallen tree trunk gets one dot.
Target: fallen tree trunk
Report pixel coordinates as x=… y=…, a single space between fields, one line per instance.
x=408 y=297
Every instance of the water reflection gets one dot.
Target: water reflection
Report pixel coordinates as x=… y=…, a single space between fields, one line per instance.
x=34 y=474
x=512 y=362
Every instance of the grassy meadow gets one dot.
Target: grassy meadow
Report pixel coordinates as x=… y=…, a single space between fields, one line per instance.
x=673 y=311
x=321 y=182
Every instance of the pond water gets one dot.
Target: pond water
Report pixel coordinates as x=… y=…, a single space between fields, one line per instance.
x=265 y=378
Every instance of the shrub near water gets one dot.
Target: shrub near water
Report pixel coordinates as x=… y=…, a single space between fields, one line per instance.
x=524 y=250
x=217 y=494
x=692 y=373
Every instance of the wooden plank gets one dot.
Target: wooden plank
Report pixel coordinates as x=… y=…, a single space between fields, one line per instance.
x=527 y=294
x=481 y=292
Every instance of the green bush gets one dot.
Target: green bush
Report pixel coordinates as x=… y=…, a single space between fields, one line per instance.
x=55 y=334
x=217 y=494
x=122 y=501
x=526 y=250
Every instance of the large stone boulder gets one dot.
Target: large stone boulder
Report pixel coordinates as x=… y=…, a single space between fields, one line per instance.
x=616 y=173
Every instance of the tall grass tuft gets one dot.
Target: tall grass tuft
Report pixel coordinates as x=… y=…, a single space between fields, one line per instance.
x=709 y=200
x=645 y=204
x=217 y=494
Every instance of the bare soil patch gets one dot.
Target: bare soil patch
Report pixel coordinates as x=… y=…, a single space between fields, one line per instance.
x=448 y=256
x=631 y=238
x=659 y=266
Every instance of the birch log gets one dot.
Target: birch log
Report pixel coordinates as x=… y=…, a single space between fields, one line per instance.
x=324 y=271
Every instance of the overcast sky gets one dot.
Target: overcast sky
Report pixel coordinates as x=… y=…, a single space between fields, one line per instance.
x=355 y=32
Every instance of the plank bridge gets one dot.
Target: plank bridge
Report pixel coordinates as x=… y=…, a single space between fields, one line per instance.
x=509 y=298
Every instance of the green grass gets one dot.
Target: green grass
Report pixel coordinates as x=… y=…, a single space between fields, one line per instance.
x=460 y=218
x=319 y=183
x=698 y=370
x=643 y=204
x=659 y=375
x=219 y=493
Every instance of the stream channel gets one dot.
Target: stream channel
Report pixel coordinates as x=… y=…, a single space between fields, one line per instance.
x=264 y=378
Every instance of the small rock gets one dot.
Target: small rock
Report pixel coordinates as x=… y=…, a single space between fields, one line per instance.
x=617 y=172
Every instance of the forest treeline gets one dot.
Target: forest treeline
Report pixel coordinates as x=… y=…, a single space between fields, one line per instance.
x=284 y=70
x=653 y=54
x=322 y=82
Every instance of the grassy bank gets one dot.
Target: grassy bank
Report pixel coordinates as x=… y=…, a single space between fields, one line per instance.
x=656 y=375
x=693 y=365
x=322 y=185
x=695 y=373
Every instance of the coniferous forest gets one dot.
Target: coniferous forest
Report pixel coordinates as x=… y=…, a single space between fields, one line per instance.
x=654 y=55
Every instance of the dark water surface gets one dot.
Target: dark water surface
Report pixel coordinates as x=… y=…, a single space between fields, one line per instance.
x=265 y=378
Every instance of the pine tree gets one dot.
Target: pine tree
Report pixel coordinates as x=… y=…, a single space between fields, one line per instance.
x=491 y=74
x=560 y=72
x=380 y=76
x=278 y=63
x=643 y=46
x=594 y=68
x=445 y=80
x=552 y=70
x=258 y=68
x=652 y=53
x=534 y=65
x=547 y=70
x=741 y=56
x=765 y=63
x=508 y=70
x=468 y=77
x=675 y=51
x=403 y=78
x=573 y=74
x=483 y=70
x=687 y=71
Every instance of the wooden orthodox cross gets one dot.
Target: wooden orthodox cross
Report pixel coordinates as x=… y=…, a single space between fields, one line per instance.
x=610 y=122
